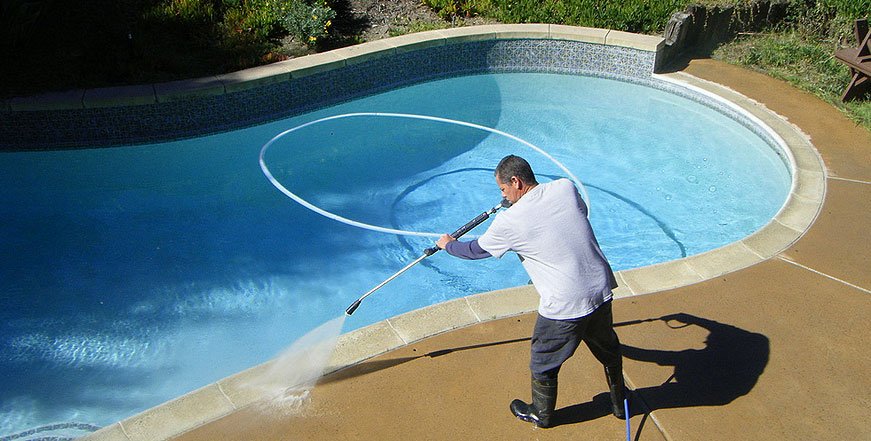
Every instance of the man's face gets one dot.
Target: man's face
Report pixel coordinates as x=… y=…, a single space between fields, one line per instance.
x=510 y=189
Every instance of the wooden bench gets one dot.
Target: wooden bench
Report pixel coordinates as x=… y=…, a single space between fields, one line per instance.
x=858 y=59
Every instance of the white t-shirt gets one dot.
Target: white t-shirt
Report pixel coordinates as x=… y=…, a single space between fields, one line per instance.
x=549 y=229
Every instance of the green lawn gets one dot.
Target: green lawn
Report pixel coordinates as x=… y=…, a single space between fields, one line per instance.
x=808 y=64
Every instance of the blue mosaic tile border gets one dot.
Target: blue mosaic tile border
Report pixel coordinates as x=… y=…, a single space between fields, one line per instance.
x=104 y=127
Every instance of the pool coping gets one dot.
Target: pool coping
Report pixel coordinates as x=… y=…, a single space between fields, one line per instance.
x=791 y=222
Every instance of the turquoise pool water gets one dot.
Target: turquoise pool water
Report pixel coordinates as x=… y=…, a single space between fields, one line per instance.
x=132 y=275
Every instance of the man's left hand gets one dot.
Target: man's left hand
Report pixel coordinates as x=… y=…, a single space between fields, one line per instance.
x=443 y=241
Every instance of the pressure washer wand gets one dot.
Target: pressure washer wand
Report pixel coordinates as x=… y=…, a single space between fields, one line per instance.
x=432 y=250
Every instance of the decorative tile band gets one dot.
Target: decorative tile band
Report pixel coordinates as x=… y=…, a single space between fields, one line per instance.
x=199 y=116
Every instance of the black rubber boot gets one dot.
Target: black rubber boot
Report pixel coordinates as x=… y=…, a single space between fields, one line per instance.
x=614 y=375
x=543 y=404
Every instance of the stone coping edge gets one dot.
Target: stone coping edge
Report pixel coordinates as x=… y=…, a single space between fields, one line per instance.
x=316 y=63
x=795 y=217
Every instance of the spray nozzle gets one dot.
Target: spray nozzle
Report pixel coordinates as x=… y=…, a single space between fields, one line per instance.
x=353 y=307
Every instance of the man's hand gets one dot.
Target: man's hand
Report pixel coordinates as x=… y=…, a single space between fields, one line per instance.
x=443 y=241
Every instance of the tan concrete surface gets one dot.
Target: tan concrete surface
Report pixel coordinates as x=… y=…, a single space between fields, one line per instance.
x=774 y=351
x=452 y=386
x=838 y=243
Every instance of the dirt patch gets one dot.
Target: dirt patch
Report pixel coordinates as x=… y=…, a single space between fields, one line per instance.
x=380 y=16
x=359 y=21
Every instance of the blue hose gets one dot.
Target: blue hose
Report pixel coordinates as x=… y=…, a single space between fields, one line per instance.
x=626 y=410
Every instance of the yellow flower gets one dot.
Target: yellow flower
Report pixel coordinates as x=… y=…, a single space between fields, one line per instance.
x=312 y=39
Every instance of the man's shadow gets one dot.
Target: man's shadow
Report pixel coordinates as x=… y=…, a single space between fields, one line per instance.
x=727 y=368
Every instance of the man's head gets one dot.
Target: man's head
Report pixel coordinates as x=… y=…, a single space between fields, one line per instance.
x=514 y=177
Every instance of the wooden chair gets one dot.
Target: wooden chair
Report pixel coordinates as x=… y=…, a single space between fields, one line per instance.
x=858 y=59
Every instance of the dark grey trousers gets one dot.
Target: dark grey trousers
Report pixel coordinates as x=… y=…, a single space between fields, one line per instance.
x=554 y=341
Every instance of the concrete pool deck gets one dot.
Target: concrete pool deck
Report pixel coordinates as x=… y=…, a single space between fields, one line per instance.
x=771 y=351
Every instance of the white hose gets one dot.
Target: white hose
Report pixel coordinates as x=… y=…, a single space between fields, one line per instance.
x=354 y=223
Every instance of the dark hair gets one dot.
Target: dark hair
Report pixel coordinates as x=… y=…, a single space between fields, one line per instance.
x=515 y=166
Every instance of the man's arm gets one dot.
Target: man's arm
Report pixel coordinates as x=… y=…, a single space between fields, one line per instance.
x=463 y=250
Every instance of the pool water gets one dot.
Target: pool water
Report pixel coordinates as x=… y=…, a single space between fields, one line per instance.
x=132 y=275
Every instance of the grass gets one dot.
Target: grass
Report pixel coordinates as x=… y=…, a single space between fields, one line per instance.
x=807 y=64
x=416 y=26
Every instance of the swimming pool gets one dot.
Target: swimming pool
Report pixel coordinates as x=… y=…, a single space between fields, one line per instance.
x=136 y=274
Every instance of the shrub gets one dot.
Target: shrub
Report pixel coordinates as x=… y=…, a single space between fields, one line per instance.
x=852 y=9
x=449 y=9
x=828 y=19
x=307 y=21
x=259 y=19
x=628 y=15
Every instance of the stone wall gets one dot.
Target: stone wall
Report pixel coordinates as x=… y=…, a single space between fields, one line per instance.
x=699 y=29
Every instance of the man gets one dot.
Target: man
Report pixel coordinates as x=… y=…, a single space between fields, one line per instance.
x=547 y=227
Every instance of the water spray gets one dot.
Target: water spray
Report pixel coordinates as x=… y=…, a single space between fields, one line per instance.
x=432 y=250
